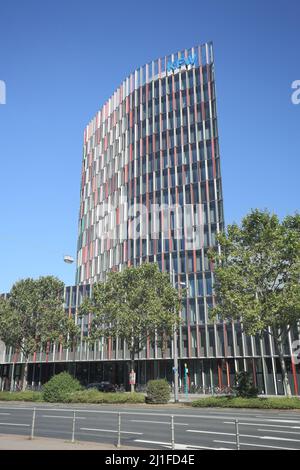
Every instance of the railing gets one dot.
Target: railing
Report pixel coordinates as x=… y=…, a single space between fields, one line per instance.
x=75 y=417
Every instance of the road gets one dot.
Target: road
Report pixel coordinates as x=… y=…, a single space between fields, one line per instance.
x=151 y=427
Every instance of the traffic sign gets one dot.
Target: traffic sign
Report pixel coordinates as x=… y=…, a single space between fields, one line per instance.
x=132 y=377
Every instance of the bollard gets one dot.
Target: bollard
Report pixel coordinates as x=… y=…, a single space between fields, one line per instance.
x=119 y=430
x=73 y=427
x=172 y=433
x=237 y=434
x=32 y=424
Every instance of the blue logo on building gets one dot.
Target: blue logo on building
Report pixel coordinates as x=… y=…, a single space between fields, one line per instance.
x=177 y=64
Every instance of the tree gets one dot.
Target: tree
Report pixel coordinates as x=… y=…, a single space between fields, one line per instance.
x=257 y=272
x=33 y=316
x=133 y=305
x=244 y=386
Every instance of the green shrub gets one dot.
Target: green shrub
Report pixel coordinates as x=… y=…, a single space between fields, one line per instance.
x=244 y=386
x=28 y=395
x=93 y=396
x=239 y=402
x=158 y=391
x=59 y=387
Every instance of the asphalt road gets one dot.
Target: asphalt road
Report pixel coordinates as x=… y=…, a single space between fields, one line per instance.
x=151 y=428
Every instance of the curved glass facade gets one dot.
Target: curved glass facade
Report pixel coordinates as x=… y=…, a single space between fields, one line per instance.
x=150 y=153
x=151 y=191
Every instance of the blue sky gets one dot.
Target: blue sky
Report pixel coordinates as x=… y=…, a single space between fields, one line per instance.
x=61 y=60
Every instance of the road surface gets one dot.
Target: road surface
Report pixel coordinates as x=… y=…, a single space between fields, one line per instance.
x=151 y=427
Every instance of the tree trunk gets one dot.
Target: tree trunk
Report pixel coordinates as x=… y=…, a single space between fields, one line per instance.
x=286 y=383
x=12 y=378
x=132 y=372
x=24 y=382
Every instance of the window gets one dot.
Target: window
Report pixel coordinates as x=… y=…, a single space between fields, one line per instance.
x=208 y=285
x=191 y=286
x=201 y=310
x=200 y=287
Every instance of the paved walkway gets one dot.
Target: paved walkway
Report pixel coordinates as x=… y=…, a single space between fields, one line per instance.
x=15 y=442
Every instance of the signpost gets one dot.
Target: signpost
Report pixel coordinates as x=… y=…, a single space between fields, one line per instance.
x=132 y=377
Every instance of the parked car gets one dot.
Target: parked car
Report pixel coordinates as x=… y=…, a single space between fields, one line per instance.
x=102 y=386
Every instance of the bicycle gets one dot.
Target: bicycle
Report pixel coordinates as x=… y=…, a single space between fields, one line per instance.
x=223 y=390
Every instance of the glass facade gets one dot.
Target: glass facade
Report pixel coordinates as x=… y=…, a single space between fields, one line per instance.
x=151 y=191
x=154 y=144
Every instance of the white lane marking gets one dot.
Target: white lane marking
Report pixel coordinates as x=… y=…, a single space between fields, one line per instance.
x=180 y=446
x=158 y=422
x=251 y=436
x=111 y=430
x=262 y=424
x=287 y=416
x=282 y=432
x=13 y=424
x=212 y=432
x=5 y=413
x=257 y=445
x=280 y=417
x=293 y=421
x=62 y=417
x=279 y=439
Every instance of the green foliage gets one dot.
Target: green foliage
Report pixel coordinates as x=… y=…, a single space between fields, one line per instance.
x=244 y=385
x=67 y=396
x=34 y=315
x=257 y=276
x=132 y=305
x=28 y=395
x=59 y=386
x=93 y=396
x=158 y=391
x=257 y=273
x=239 y=402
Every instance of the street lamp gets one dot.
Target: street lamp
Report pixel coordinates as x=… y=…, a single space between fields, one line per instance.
x=70 y=260
x=175 y=351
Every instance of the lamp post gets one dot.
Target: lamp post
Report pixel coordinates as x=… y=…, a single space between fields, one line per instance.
x=175 y=349
x=70 y=260
x=175 y=367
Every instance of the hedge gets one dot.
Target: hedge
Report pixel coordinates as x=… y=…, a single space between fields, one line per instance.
x=59 y=386
x=238 y=402
x=93 y=396
x=28 y=395
x=158 y=391
x=84 y=396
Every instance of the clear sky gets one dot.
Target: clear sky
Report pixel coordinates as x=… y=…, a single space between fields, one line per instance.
x=61 y=60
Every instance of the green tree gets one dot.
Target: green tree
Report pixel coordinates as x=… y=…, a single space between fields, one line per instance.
x=34 y=316
x=133 y=305
x=257 y=272
x=244 y=386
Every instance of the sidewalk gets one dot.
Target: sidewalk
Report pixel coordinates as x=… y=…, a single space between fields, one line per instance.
x=16 y=442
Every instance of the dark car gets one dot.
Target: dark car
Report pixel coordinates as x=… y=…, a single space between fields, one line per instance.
x=102 y=386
